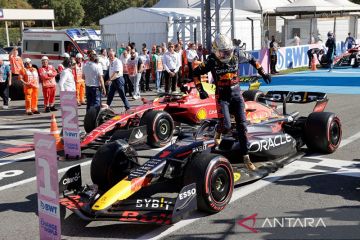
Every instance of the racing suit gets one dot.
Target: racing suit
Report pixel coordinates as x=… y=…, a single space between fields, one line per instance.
x=228 y=96
x=331 y=45
x=47 y=77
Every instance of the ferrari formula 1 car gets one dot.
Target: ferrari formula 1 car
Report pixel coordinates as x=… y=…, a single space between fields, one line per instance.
x=201 y=175
x=153 y=122
x=350 y=58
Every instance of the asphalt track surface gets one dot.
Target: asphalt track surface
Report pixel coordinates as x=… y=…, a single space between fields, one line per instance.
x=325 y=189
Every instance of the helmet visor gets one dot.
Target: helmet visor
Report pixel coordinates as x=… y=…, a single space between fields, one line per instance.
x=225 y=54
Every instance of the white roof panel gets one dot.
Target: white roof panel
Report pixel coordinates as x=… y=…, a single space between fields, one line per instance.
x=346 y=5
x=128 y=16
x=26 y=14
x=307 y=6
x=164 y=14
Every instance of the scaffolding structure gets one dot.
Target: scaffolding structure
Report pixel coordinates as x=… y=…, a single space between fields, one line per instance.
x=211 y=19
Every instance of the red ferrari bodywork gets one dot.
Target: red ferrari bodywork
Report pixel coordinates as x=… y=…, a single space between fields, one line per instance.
x=188 y=109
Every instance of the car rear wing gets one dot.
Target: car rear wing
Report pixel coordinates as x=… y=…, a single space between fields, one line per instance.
x=284 y=97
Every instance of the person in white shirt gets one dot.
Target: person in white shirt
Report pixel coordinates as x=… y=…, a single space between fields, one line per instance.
x=104 y=62
x=145 y=76
x=135 y=68
x=116 y=80
x=124 y=58
x=171 y=66
x=94 y=82
x=296 y=40
x=191 y=55
x=67 y=81
x=179 y=51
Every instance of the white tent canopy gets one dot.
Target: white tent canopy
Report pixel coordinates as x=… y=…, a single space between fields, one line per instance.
x=259 y=6
x=176 y=3
x=253 y=5
x=345 y=4
x=311 y=6
x=156 y=25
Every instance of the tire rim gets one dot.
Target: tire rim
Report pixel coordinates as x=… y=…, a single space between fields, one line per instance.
x=220 y=184
x=164 y=129
x=334 y=133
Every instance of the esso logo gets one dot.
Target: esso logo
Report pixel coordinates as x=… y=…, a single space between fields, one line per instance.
x=187 y=194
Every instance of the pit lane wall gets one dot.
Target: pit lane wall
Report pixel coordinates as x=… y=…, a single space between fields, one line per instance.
x=287 y=57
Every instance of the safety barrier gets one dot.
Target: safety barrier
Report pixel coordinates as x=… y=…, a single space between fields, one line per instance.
x=287 y=57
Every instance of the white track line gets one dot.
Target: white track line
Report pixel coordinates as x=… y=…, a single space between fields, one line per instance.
x=17 y=158
x=343 y=143
x=34 y=178
x=238 y=193
x=23 y=128
x=349 y=140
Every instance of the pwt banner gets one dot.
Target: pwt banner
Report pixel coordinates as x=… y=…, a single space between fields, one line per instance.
x=287 y=57
x=47 y=186
x=70 y=124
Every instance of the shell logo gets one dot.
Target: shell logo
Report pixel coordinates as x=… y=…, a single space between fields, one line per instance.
x=201 y=114
x=237 y=176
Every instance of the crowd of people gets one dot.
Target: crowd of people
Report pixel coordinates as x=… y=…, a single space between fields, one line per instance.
x=100 y=75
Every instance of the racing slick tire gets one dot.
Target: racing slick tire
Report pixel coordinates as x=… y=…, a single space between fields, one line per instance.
x=111 y=163
x=213 y=175
x=90 y=119
x=323 y=132
x=252 y=95
x=160 y=127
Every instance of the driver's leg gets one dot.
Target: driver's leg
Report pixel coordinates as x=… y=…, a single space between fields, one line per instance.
x=237 y=108
x=224 y=120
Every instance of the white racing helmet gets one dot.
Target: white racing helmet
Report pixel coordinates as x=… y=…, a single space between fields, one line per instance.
x=223 y=48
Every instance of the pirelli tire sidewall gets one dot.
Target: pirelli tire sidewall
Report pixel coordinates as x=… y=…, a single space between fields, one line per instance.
x=204 y=170
x=160 y=127
x=323 y=132
x=90 y=119
x=111 y=163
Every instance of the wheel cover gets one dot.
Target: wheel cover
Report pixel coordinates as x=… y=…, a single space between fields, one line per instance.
x=334 y=132
x=220 y=184
x=163 y=129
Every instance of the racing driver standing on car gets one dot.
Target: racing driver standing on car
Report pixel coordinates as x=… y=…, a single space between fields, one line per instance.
x=223 y=63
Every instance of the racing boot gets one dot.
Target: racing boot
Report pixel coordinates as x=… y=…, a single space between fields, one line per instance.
x=217 y=138
x=249 y=165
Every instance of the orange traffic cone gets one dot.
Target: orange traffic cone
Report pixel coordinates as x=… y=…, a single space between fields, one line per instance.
x=54 y=131
x=313 y=64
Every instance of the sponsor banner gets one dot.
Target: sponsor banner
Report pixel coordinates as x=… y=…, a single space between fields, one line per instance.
x=1 y=13
x=47 y=186
x=287 y=57
x=69 y=114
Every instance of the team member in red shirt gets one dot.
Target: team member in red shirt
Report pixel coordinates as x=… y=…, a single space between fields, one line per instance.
x=47 y=77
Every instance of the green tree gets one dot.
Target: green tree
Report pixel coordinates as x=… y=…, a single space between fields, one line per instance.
x=97 y=9
x=67 y=12
x=14 y=4
x=39 y=3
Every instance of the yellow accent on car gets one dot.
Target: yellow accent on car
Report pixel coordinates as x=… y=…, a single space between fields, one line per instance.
x=120 y=191
x=201 y=114
x=254 y=85
x=237 y=176
x=209 y=88
x=117 y=117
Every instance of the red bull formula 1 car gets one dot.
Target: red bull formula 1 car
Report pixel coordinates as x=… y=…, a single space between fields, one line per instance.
x=198 y=173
